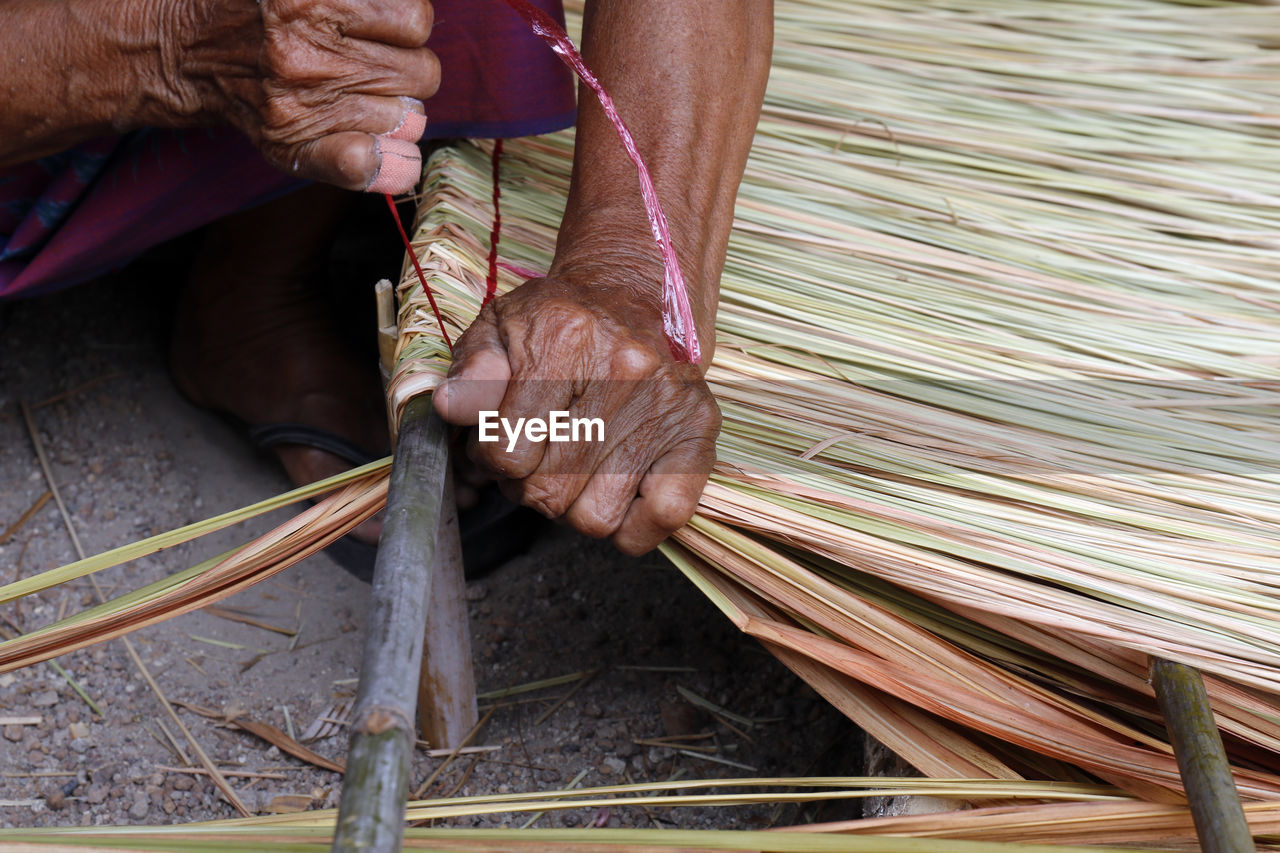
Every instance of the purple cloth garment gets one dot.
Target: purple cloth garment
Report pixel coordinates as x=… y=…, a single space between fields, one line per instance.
x=71 y=216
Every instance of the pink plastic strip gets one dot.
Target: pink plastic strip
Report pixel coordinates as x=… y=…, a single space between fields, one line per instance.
x=677 y=315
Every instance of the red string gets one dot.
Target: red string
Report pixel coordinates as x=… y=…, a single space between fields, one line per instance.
x=491 y=283
x=677 y=314
x=413 y=256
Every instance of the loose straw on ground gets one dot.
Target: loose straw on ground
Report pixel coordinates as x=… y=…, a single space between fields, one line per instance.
x=216 y=775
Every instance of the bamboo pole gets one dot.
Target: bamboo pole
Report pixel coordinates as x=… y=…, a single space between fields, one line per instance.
x=371 y=815
x=1211 y=791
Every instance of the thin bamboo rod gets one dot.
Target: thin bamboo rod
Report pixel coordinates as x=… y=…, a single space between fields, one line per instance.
x=447 y=709
x=385 y=299
x=371 y=815
x=1211 y=791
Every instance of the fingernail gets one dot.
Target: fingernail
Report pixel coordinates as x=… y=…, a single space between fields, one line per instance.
x=400 y=166
x=414 y=123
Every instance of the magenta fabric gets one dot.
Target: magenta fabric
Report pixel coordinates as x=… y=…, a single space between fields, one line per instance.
x=497 y=79
x=106 y=201
x=70 y=217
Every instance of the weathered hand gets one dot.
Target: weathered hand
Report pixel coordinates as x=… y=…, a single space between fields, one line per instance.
x=330 y=90
x=556 y=344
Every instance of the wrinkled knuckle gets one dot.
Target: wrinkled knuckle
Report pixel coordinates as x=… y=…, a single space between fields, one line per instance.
x=545 y=498
x=417 y=21
x=670 y=510
x=709 y=417
x=318 y=14
x=279 y=116
x=593 y=523
x=566 y=318
x=701 y=414
x=312 y=10
x=633 y=361
x=342 y=21
x=290 y=57
x=512 y=324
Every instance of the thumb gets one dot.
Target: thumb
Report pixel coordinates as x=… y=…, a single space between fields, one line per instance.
x=477 y=381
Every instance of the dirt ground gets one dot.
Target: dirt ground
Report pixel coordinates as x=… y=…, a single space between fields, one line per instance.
x=132 y=458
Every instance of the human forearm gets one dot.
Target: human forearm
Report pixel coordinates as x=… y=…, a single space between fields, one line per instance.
x=688 y=79
x=324 y=89
x=73 y=69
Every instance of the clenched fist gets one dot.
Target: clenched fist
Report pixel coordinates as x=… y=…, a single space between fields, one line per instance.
x=596 y=354
x=587 y=340
x=330 y=90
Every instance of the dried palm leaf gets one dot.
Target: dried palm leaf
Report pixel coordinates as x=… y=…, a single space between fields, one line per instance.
x=1078 y=814
x=360 y=493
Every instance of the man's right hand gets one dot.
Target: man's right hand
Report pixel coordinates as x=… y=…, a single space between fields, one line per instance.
x=329 y=90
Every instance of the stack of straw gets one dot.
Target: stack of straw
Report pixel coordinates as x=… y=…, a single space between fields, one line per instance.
x=998 y=357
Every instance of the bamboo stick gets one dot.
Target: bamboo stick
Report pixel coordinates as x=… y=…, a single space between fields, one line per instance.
x=447 y=710
x=371 y=815
x=1202 y=761
x=388 y=331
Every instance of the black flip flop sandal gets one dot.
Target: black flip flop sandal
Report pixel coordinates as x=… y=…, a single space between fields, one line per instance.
x=353 y=555
x=493 y=531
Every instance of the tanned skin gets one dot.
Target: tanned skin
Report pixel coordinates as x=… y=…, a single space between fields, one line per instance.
x=688 y=78
x=312 y=82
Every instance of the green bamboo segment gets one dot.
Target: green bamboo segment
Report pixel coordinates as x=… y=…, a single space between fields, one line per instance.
x=1215 y=803
x=373 y=792
x=376 y=781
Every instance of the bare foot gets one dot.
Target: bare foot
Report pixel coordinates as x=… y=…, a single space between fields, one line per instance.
x=255 y=338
